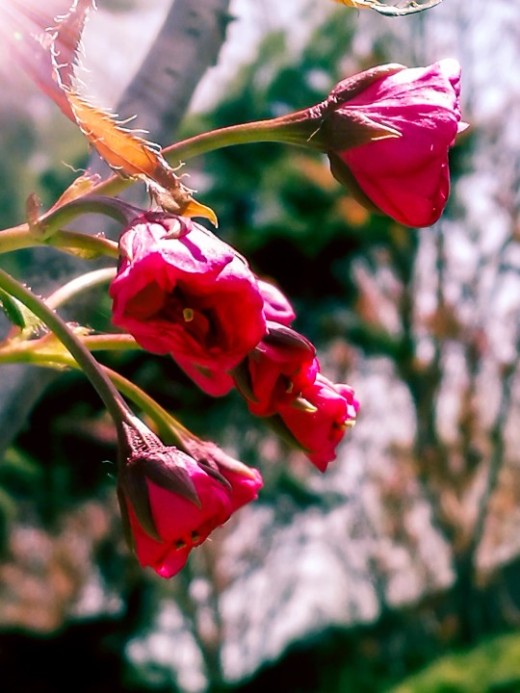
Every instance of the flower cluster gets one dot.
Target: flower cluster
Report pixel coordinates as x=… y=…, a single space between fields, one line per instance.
x=182 y=291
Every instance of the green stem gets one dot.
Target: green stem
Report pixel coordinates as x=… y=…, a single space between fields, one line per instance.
x=22 y=236
x=296 y=129
x=44 y=230
x=87 y=204
x=113 y=401
x=38 y=350
x=78 y=285
x=165 y=422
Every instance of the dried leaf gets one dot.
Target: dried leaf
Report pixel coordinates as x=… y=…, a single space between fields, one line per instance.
x=121 y=148
x=33 y=207
x=190 y=207
x=66 y=42
x=196 y=209
x=47 y=45
x=132 y=156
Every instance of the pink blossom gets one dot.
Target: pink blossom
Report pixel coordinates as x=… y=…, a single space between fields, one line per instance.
x=407 y=176
x=277 y=370
x=181 y=290
x=320 y=427
x=276 y=306
x=176 y=522
x=215 y=382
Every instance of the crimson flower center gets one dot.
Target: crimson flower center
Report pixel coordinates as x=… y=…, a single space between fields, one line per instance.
x=198 y=319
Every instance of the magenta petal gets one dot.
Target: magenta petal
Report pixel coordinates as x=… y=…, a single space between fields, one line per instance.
x=276 y=306
x=408 y=177
x=181 y=525
x=181 y=290
x=212 y=381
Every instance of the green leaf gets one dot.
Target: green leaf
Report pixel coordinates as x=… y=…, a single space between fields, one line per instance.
x=13 y=309
x=20 y=316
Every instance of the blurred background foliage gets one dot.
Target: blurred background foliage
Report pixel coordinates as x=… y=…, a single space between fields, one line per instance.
x=408 y=548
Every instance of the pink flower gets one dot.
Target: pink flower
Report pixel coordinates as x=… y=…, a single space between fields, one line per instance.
x=276 y=306
x=406 y=176
x=276 y=370
x=215 y=382
x=170 y=503
x=320 y=427
x=181 y=290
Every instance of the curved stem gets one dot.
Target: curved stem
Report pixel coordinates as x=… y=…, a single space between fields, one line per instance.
x=87 y=204
x=78 y=285
x=22 y=236
x=165 y=422
x=47 y=227
x=295 y=129
x=113 y=401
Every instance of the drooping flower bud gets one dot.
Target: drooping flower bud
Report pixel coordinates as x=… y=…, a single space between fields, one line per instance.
x=181 y=290
x=387 y=132
x=277 y=370
x=171 y=501
x=319 y=419
x=406 y=176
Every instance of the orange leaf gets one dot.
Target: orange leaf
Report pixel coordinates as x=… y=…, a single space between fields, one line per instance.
x=46 y=43
x=121 y=148
x=132 y=156
x=67 y=38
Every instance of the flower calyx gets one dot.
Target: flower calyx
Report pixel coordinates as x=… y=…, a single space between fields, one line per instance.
x=144 y=457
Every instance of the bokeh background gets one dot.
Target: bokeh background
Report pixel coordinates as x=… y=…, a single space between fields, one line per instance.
x=398 y=570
